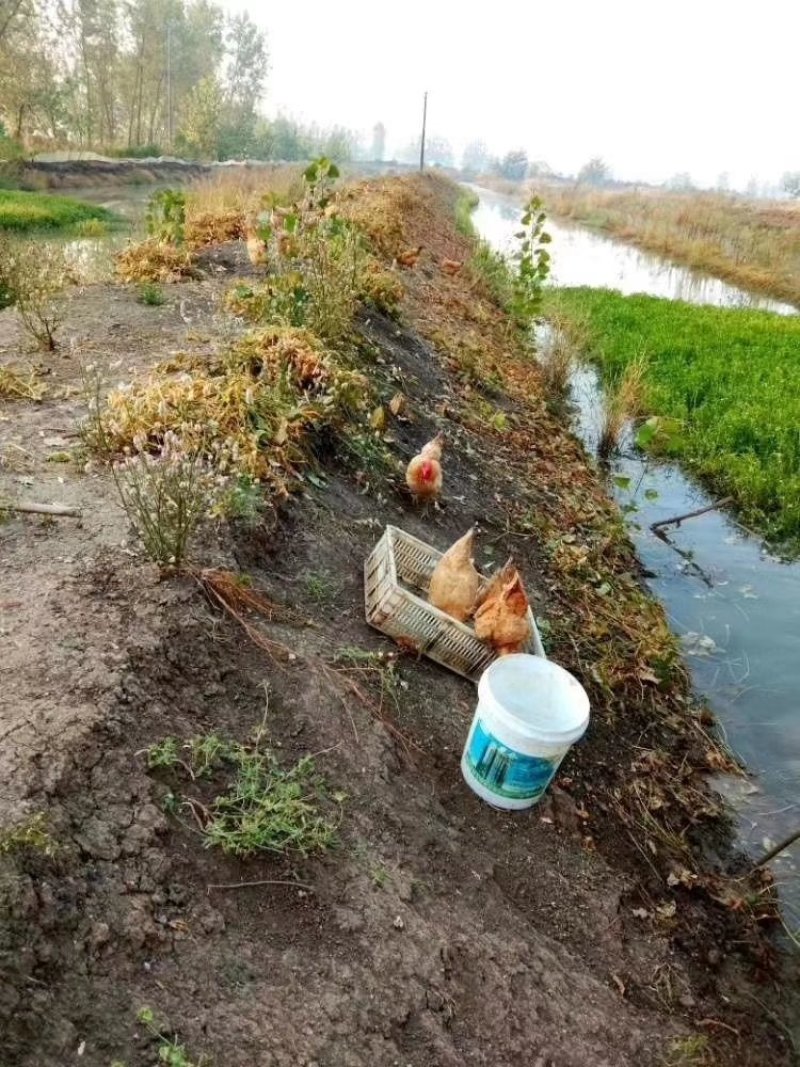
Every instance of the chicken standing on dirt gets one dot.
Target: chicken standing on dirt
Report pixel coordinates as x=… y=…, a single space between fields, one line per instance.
x=502 y=619
x=455 y=582
x=409 y=257
x=256 y=248
x=424 y=472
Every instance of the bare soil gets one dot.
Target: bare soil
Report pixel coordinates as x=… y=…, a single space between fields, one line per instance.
x=439 y=931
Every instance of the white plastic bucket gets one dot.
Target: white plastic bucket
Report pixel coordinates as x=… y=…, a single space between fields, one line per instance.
x=530 y=712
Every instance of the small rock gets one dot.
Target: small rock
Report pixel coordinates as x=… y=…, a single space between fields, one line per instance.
x=99 y=935
x=399 y=924
x=687 y=1001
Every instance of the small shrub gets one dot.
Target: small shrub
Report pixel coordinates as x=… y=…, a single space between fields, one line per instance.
x=557 y=360
x=151 y=294
x=166 y=497
x=532 y=263
x=33 y=278
x=622 y=401
x=154 y=261
x=317 y=264
x=166 y=216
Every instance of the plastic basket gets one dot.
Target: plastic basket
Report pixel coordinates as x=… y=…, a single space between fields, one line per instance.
x=397 y=575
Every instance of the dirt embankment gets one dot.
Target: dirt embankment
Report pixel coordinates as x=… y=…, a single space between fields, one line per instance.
x=439 y=932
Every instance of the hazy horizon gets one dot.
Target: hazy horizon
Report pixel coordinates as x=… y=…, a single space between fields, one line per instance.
x=697 y=88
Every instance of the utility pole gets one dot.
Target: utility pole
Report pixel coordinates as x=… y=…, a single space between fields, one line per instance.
x=424 y=124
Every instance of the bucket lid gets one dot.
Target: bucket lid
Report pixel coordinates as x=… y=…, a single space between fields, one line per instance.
x=536 y=697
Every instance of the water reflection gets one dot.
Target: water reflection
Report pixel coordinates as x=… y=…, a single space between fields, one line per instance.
x=581 y=257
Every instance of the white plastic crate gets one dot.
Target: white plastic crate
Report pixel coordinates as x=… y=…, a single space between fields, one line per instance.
x=396 y=579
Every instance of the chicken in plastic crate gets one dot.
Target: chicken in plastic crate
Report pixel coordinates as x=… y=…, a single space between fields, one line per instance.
x=396 y=579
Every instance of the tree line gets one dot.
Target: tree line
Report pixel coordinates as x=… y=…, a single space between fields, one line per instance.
x=143 y=77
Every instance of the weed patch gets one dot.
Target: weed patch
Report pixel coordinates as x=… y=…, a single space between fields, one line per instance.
x=262 y=807
x=21 y=384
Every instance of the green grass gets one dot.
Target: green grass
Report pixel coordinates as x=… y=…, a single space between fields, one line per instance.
x=465 y=205
x=730 y=379
x=23 y=212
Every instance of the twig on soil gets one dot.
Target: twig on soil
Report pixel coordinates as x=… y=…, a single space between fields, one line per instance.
x=262 y=881
x=678 y=519
x=29 y=507
x=773 y=852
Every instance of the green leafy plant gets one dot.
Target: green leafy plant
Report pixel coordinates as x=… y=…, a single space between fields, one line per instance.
x=166 y=216
x=317 y=263
x=151 y=294
x=264 y=808
x=29 y=836
x=532 y=263
x=170 y=1051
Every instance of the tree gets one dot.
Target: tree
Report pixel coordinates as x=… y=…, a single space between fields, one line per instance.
x=790 y=183
x=595 y=172
x=378 y=150
x=202 y=119
x=514 y=165
x=246 y=70
x=681 y=182
x=475 y=159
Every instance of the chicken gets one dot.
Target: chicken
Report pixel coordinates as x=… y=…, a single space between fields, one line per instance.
x=451 y=266
x=502 y=619
x=409 y=257
x=256 y=248
x=424 y=472
x=455 y=582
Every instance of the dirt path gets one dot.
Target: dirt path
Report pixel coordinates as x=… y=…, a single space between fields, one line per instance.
x=438 y=931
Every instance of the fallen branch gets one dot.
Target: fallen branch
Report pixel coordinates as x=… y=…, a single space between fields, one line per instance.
x=773 y=852
x=678 y=519
x=41 y=509
x=265 y=881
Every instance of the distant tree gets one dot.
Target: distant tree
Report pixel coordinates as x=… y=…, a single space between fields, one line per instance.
x=681 y=182
x=537 y=168
x=378 y=150
x=514 y=165
x=595 y=172
x=202 y=119
x=724 y=182
x=439 y=151
x=790 y=183
x=338 y=144
x=475 y=159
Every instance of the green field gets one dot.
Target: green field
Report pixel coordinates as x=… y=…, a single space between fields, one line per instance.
x=20 y=211
x=730 y=377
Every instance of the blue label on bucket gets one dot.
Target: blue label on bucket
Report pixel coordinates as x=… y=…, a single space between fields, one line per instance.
x=506 y=772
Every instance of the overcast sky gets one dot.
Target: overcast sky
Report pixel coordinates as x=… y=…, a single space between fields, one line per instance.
x=703 y=86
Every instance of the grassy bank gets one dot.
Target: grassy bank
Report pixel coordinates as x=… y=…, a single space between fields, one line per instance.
x=755 y=244
x=22 y=212
x=728 y=375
